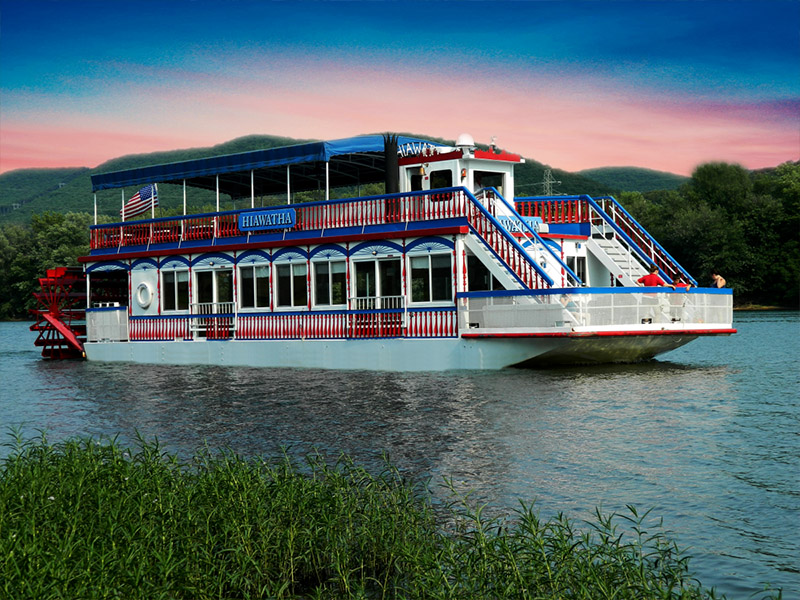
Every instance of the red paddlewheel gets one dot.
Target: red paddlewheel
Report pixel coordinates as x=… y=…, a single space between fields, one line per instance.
x=61 y=313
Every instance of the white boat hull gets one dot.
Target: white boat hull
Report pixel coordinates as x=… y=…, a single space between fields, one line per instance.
x=391 y=354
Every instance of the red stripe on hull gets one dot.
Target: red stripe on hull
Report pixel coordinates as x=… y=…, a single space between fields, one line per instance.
x=579 y=334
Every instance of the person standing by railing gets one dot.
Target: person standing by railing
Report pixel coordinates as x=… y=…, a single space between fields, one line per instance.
x=678 y=282
x=652 y=279
x=717 y=280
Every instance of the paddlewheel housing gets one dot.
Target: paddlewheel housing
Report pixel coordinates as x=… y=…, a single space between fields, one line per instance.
x=61 y=313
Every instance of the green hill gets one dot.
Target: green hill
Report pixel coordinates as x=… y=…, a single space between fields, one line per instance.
x=25 y=192
x=25 y=186
x=634 y=179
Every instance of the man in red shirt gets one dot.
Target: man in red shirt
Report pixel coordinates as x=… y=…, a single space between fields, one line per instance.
x=651 y=279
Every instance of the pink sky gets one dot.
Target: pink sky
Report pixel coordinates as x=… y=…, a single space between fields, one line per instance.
x=568 y=123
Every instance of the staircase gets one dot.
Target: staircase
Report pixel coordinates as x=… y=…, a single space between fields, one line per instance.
x=609 y=222
x=528 y=258
x=615 y=256
x=505 y=249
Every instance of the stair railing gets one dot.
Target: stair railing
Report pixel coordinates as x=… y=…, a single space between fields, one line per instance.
x=569 y=278
x=504 y=245
x=639 y=234
x=650 y=251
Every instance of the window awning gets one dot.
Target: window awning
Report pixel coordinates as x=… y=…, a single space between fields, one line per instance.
x=351 y=161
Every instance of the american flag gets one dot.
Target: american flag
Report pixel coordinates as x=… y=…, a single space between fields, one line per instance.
x=140 y=202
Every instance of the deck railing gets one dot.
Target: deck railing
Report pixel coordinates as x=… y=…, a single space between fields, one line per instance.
x=311 y=216
x=356 y=324
x=595 y=309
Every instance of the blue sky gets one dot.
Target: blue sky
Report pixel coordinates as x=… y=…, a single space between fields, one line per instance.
x=659 y=84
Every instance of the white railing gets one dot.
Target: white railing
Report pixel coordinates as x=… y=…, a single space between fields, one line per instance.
x=377 y=302
x=107 y=322
x=631 y=310
x=214 y=320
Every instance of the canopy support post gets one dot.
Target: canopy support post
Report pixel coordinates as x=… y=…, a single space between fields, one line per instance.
x=122 y=212
x=217 y=193
x=327 y=181
x=252 y=189
x=184 y=197
x=288 y=185
x=95 y=208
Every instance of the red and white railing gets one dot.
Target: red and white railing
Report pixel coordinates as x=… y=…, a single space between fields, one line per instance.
x=411 y=323
x=332 y=214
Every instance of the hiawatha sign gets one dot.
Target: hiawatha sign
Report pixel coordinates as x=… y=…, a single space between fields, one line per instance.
x=283 y=218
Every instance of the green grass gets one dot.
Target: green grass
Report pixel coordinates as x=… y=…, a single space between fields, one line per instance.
x=89 y=519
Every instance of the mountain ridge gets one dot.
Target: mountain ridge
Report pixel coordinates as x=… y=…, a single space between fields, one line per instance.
x=635 y=179
x=24 y=192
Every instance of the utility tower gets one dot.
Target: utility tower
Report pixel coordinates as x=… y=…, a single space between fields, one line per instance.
x=547 y=182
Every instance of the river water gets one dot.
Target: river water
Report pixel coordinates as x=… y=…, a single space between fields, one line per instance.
x=708 y=436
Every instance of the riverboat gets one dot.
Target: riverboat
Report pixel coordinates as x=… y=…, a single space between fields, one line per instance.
x=445 y=269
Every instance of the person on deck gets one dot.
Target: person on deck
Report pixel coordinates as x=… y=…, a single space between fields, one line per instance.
x=679 y=282
x=717 y=280
x=651 y=279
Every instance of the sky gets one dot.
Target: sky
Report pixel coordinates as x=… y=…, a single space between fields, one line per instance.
x=664 y=85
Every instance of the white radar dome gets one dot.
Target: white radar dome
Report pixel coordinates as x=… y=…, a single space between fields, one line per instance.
x=465 y=139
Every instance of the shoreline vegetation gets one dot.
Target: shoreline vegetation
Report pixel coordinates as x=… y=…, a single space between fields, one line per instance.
x=87 y=518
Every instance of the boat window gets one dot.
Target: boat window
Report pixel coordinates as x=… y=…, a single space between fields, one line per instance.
x=391 y=279
x=254 y=286
x=484 y=179
x=578 y=266
x=330 y=283
x=224 y=284
x=205 y=287
x=378 y=279
x=441 y=179
x=414 y=179
x=215 y=287
x=431 y=278
x=292 y=286
x=175 y=290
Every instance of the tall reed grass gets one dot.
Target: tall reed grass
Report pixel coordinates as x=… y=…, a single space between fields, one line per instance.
x=87 y=519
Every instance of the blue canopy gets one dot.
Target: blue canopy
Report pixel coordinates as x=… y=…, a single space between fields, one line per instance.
x=351 y=161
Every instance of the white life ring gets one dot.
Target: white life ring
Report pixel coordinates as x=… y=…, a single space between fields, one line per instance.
x=144 y=294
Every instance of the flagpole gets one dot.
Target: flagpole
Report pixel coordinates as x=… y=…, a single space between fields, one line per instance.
x=153 y=196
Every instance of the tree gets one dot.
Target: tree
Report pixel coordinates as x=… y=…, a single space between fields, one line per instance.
x=52 y=240
x=720 y=184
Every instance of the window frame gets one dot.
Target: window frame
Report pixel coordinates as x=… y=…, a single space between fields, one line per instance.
x=240 y=286
x=292 y=291
x=330 y=283
x=440 y=173
x=378 y=280
x=176 y=288
x=216 y=273
x=430 y=279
